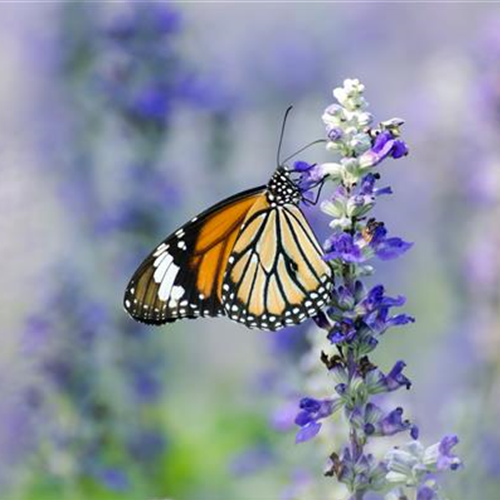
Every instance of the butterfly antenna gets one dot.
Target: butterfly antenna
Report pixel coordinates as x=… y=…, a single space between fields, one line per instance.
x=282 y=133
x=317 y=141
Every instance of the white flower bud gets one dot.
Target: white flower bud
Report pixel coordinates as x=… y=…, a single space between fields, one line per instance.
x=360 y=143
x=341 y=223
x=334 y=208
x=333 y=170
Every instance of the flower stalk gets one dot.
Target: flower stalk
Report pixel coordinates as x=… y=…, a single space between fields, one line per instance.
x=358 y=316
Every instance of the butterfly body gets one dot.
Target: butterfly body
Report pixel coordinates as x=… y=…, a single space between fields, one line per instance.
x=252 y=257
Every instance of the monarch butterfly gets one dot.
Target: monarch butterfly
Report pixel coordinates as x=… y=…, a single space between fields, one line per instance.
x=252 y=257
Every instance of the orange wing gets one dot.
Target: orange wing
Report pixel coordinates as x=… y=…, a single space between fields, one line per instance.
x=183 y=276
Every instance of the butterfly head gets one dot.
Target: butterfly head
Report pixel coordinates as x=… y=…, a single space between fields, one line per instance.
x=281 y=189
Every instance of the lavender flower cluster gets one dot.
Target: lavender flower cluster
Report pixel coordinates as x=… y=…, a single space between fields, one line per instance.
x=84 y=349
x=358 y=316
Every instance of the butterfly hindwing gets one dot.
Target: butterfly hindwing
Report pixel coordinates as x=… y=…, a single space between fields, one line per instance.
x=182 y=277
x=276 y=274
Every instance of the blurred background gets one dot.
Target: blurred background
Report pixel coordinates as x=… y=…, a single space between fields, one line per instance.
x=119 y=121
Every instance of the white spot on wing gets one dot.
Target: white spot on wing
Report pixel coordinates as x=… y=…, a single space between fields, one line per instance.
x=161 y=248
x=163 y=267
x=177 y=292
x=167 y=282
x=160 y=259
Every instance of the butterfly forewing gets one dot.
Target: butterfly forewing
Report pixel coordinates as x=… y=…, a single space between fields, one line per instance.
x=182 y=277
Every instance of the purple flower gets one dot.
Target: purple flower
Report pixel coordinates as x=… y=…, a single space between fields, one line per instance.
x=380 y=321
x=114 y=479
x=374 y=309
x=446 y=459
x=343 y=298
x=155 y=20
x=283 y=419
x=302 y=166
x=360 y=471
x=426 y=493
x=414 y=432
x=399 y=149
x=144 y=75
x=376 y=299
x=310 y=175
x=151 y=102
x=384 y=146
x=342 y=331
x=252 y=460
x=367 y=186
x=352 y=249
x=377 y=382
x=290 y=341
x=375 y=422
x=321 y=320
x=307 y=432
x=386 y=248
x=395 y=378
x=147 y=445
x=334 y=133
x=313 y=410
x=392 y=423
x=342 y=246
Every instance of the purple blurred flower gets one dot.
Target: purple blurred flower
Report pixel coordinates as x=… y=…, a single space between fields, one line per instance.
x=106 y=371
x=147 y=445
x=115 y=479
x=290 y=341
x=283 y=419
x=426 y=493
x=150 y=103
x=300 y=481
x=145 y=383
x=252 y=460
x=156 y=20
x=144 y=77
x=446 y=459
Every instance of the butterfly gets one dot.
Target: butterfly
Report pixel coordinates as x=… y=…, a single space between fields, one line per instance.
x=252 y=257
